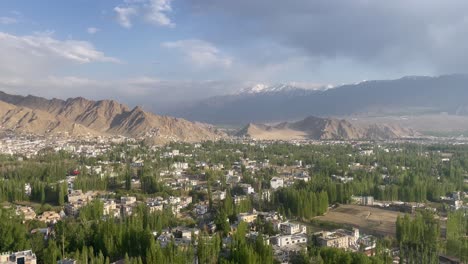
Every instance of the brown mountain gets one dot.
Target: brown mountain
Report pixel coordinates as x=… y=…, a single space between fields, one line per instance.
x=79 y=116
x=324 y=128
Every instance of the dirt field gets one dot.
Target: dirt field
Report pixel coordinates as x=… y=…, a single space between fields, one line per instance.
x=370 y=220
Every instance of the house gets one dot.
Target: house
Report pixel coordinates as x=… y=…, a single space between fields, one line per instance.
x=276 y=183
x=180 y=166
x=185 y=232
x=49 y=217
x=288 y=228
x=73 y=209
x=26 y=211
x=76 y=195
x=110 y=208
x=127 y=200
x=219 y=195
x=201 y=209
x=247 y=217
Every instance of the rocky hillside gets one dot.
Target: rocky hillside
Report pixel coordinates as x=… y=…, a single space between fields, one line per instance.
x=79 y=116
x=322 y=129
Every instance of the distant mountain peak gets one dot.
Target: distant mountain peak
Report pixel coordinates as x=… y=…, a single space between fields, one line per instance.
x=261 y=88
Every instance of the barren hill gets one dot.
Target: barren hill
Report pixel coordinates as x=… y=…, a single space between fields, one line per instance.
x=79 y=116
x=323 y=128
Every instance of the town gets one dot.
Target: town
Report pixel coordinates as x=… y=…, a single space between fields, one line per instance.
x=284 y=202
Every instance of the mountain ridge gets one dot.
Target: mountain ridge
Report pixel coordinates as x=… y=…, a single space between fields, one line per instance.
x=407 y=95
x=80 y=116
x=315 y=128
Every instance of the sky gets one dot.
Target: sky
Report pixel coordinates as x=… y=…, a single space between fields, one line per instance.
x=159 y=53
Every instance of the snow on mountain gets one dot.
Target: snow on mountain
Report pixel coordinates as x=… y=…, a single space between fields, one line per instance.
x=262 y=88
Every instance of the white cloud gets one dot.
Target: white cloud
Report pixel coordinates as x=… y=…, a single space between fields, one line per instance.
x=92 y=30
x=200 y=53
x=156 y=12
x=45 y=46
x=8 y=20
x=27 y=59
x=124 y=14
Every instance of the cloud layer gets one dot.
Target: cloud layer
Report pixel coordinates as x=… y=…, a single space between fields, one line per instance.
x=154 y=12
x=426 y=35
x=200 y=53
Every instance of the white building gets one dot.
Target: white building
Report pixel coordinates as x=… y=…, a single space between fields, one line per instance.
x=288 y=228
x=276 y=183
x=288 y=240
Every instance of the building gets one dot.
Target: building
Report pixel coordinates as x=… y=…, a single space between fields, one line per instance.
x=276 y=183
x=288 y=228
x=338 y=239
x=110 y=208
x=73 y=209
x=367 y=245
x=49 y=217
x=247 y=217
x=127 y=200
x=76 y=195
x=363 y=200
x=288 y=240
x=219 y=195
x=180 y=165
x=247 y=188
x=21 y=257
x=26 y=211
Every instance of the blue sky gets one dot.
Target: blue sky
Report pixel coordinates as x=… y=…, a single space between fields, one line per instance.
x=161 y=52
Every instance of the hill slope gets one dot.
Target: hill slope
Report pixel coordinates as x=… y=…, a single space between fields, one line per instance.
x=79 y=116
x=323 y=128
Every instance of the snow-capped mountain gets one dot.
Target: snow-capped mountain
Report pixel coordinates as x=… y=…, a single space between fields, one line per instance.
x=273 y=103
x=262 y=88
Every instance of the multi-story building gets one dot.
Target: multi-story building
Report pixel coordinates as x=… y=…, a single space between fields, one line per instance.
x=338 y=239
x=247 y=217
x=288 y=240
x=288 y=228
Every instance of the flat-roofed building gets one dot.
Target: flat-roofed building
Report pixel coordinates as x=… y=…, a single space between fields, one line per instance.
x=21 y=257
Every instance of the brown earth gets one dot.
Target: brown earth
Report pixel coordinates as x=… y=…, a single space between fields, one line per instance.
x=79 y=116
x=369 y=220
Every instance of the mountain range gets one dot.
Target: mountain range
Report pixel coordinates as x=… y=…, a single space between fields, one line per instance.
x=404 y=96
x=324 y=129
x=79 y=117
